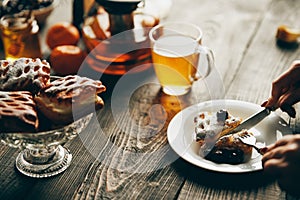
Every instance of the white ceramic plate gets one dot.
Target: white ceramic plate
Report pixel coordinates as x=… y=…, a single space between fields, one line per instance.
x=181 y=133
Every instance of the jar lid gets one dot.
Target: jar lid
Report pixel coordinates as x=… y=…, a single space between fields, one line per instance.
x=17 y=21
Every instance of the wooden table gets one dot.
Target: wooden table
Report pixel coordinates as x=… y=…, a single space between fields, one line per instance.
x=124 y=153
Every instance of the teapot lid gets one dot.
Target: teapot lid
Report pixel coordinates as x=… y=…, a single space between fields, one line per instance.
x=119 y=6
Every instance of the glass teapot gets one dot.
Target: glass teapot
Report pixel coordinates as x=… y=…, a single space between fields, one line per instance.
x=116 y=37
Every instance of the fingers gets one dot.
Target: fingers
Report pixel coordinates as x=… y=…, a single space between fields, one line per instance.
x=279 y=87
x=263 y=150
x=277 y=149
x=289 y=110
x=274 y=166
x=283 y=84
x=286 y=148
x=291 y=96
x=281 y=159
x=281 y=142
x=286 y=100
x=264 y=103
x=274 y=161
x=273 y=154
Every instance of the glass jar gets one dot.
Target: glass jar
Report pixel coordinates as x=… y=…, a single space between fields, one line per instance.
x=19 y=34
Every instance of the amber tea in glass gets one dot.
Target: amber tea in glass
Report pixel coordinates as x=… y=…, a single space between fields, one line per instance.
x=176 y=50
x=19 y=34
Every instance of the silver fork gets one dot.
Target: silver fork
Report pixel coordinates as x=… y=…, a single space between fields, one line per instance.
x=251 y=141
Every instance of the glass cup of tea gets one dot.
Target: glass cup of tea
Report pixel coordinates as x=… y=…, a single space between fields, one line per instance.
x=176 y=54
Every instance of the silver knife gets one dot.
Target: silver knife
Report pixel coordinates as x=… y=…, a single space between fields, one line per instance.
x=253 y=120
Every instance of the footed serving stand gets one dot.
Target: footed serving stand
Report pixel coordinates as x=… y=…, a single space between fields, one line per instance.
x=43 y=154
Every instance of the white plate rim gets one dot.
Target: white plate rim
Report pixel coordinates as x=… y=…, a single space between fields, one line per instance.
x=177 y=140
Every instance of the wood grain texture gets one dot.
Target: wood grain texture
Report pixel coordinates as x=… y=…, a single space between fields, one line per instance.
x=124 y=152
x=134 y=161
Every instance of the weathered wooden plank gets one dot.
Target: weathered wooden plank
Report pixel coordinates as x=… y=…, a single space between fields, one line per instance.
x=254 y=88
x=134 y=161
x=99 y=186
x=228 y=28
x=125 y=154
x=264 y=60
x=12 y=184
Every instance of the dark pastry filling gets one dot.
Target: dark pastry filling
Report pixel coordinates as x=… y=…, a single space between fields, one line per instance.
x=226 y=155
x=213 y=132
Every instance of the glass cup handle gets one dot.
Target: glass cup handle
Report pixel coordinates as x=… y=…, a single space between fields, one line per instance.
x=209 y=55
